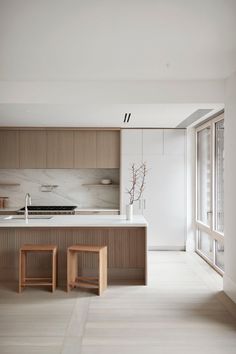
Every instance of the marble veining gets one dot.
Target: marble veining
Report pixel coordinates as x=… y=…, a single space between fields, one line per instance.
x=70 y=188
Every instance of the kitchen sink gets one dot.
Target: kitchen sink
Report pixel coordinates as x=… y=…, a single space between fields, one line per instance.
x=30 y=217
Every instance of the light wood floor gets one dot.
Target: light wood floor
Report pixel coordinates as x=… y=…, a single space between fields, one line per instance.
x=183 y=310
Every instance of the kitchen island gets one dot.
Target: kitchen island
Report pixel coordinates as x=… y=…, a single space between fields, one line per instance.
x=126 y=242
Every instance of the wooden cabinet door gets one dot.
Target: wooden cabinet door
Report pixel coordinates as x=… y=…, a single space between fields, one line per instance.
x=60 y=149
x=108 y=149
x=85 y=149
x=33 y=148
x=9 y=149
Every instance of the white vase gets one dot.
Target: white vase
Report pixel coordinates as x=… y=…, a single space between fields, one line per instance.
x=129 y=212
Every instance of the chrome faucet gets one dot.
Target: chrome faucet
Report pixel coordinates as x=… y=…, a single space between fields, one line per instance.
x=27 y=202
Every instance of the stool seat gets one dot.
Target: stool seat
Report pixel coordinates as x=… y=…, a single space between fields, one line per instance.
x=39 y=248
x=86 y=248
x=37 y=281
x=73 y=280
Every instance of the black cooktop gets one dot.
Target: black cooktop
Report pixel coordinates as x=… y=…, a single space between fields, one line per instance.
x=49 y=208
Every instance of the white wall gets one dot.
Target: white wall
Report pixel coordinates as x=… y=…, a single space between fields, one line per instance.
x=230 y=188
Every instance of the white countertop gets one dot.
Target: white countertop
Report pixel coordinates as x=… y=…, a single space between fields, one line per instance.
x=73 y=221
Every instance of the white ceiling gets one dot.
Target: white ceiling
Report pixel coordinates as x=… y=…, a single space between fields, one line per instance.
x=88 y=62
x=47 y=40
x=99 y=115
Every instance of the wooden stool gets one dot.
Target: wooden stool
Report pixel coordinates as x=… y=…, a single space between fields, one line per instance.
x=73 y=280
x=26 y=281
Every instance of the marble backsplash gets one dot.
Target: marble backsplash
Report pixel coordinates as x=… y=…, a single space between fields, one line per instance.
x=70 y=190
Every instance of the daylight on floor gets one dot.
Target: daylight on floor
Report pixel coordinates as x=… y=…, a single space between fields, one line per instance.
x=117 y=177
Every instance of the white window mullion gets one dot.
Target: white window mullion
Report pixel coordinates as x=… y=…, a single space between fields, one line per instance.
x=212 y=175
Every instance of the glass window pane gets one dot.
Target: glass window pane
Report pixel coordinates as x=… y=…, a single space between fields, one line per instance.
x=220 y=255
x=205 y=244
x=219 y=177
x=204 y=176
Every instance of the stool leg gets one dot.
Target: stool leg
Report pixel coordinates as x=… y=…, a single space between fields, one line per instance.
x=57 y=277
x=68 y=270
x=71 y=268
x=102 y=281
x=22 y=267
x=54 y=270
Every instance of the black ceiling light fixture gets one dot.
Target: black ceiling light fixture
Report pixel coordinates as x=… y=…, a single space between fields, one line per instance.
x=127 y=117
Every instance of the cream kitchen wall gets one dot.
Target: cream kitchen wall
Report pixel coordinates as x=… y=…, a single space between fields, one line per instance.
x=70 y=188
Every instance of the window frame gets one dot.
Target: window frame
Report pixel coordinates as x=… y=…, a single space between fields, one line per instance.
x=200 y=226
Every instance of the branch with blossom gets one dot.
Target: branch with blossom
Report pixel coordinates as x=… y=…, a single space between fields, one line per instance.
x=138 y=176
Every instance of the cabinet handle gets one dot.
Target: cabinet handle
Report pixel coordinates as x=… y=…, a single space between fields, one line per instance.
x=144 y=203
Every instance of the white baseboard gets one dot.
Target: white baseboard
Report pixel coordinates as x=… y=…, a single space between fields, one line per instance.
x=166 y=248
x=229 y=287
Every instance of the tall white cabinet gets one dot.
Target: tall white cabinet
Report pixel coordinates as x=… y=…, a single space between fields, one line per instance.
x=164 y=200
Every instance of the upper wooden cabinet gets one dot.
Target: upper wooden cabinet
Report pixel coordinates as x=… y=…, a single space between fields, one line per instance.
x=60 y=149
x=97 y=149
x=33 y=149
x=108 y=149
x=9 y=151
x=85 y=149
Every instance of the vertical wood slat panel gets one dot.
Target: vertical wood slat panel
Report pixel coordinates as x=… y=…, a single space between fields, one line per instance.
x=126 y=248
x=85 y=142
x=9 y=149
x=108 y=149
x=32 y=148
x=60 y=149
